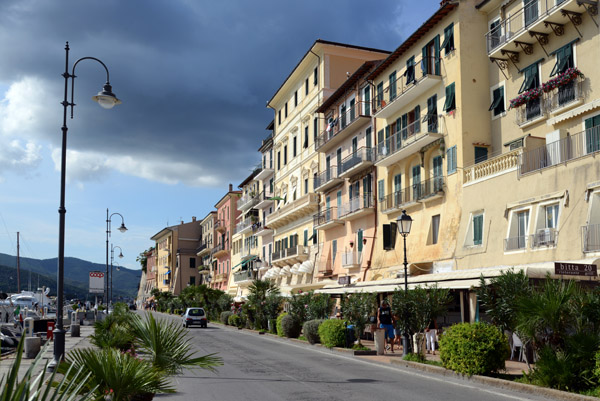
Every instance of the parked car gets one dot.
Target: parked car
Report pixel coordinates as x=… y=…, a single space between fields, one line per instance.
x=194 y=316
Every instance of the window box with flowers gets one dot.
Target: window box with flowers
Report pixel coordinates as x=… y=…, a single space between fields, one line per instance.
x=564 y=89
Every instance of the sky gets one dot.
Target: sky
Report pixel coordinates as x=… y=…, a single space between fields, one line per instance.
x=194 y=77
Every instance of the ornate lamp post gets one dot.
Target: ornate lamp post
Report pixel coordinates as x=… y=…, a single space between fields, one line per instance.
x=108 y=227
x=107 y=100
x=404 y=224
x=112 y=258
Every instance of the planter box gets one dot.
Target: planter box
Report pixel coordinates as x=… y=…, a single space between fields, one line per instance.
x=365 y=352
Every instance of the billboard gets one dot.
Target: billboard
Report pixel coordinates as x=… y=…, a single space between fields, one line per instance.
x=97 y=282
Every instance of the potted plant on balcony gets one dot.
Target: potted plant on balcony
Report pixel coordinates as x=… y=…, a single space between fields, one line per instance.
x=525 y=97
x=562 y=79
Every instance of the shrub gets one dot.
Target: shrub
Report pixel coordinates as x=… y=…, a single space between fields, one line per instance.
x=332 y=333
x=235 y=320
x=474 y=349
x=311 y=330
x=225 y=317
x=278 y=324
x=273 y=325
x=290 y=327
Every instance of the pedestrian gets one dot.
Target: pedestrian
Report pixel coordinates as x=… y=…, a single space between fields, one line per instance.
x=430 y=335
x=386 y=322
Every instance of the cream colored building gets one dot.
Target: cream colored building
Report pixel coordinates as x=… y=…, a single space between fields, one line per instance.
x=208 y=235
x=318 y=74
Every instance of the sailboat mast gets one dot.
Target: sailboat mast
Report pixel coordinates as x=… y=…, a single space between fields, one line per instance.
x=18 y=267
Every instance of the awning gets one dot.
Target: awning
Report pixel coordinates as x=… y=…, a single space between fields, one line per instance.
x=574 y=112
x=169 y=272
x=536 y=199
x=244 y=262
x=294 y=289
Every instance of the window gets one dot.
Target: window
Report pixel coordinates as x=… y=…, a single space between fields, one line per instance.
x=379 y=94
x=389 y=236
x=481 y=154
x=192 y=280
x=531 y=77
x=367 y=100
x=192 y=263
x=448 y=44
x=435 y=228
x=451 y=159
x=438 y=175
x=305 y=137
x=305 y=242
x=497 y=106
x=285 y=155
x=410 y=71
x=279 y=160
x=294 y=146
x=518 y=230
x=314 y=236
x=279 y=116
x=592 y=134
x=430 y=64
x=285 y=114
x=431 y=118
x=478 y=229
x=530 y=9
x=333 y=250
x=368 y=139
x=381 y=190
x=315 y=128
x=392 y=84
x=564 y=59
x=305 y=186
x=316 y=76
x=306 y=87
x=495 y=34
x=296 y=99
x=450 y=103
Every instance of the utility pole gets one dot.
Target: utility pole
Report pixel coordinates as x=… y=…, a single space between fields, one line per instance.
x=18 y=267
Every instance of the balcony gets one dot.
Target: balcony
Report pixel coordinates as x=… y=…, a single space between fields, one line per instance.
x=544 y=238
x=347 y=121
x=203 y=249
x=304 y=206
x=566 y=96
x=266 y=170
x=243 y=277
x=220 y=226
x=261 y=229
x=530 y=112
x=264 y=199
x=407 y=141
x=492 y=167
x=412 y=195
x=569 y=148
x=290 y=256
x=516 y=243
x=219 y=250
x=351 y=259
x=246 y=225
x=358 y=207
x=362 y=159
x=590 y=236
x=411 y=83
x=219 y=278
x=247 y=201
x=327 y=219
x=327 y=179
x=517 y=31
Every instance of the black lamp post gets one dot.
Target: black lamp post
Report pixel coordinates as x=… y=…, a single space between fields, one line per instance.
x=107 y=100
x=108 y=227
x=112 y=258
x=404 y=224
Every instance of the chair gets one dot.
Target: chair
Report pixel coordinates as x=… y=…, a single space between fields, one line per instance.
x=517 y=343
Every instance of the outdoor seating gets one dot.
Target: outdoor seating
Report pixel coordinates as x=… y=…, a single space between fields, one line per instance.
x=517 y=343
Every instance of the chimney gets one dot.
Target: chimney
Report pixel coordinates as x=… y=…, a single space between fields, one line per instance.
x=230 y=187
x=193 y=218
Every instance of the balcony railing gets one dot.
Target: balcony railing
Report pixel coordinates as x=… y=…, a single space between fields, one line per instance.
x=492 y=166
x=516 y=243
x=521 y=20
x=357 y=204
x=219 y=248
x=590 y=236
x=202 y=247
x=362 y=156
x=531 y=110
x=294 y=253
x=421 y=75
x=329 y=215
x=247 y=223
x=247 y=201
x=341 y=122
x=351 y=259
x=565 y=95
x=400 y=142
x=544 y=237
x=220 y=225
x=264 y=199
x=414 y=193
x=303 y=206
x=569 y=148
x=329 y=176
x=243 y=275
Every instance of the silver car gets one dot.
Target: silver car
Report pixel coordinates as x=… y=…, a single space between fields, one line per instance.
x=194 y=316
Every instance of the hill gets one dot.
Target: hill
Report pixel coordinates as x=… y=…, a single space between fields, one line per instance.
x=8 y=283
x=125 y=281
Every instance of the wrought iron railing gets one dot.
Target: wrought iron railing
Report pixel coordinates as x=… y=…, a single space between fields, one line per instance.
x=243 y=275
x=326 y=176
x=326 y=216
x=341 y=121
x=565 y=94
x=406 y=136
x=515 y=243
x=357 y=157
x=544 y=237
x=530 y=111
x=357 y=203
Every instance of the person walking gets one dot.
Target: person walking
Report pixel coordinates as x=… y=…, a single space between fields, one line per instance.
x=386 y=322
x=430 y=335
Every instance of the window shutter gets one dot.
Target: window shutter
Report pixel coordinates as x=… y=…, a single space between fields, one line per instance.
x=404 y=125
x=436 y=43
x=387 y=237
x=450 y=103
x=417 y=118
x=424 y=61
x=497 y=98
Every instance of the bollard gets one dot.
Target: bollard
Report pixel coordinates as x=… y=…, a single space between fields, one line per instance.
x=416 y=338
x=73 y=317
x=379 y=336
x=32 y=347
x=75 y=328
x=28 y=328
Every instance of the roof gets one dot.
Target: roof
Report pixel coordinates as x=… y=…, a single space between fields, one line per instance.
x=271 y=125
x=161 y=233
x=250 y=177
x=355 y=77
x=444 y=10
x=483 y=3
x=226 y=195
x=324 y=42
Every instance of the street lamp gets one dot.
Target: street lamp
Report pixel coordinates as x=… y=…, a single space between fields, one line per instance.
x=108 y=227
x=404 y=223
x=112 y=258
x=107 y=100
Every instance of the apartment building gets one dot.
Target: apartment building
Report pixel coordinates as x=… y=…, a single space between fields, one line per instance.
x=319 y=73
x=535 y=205
x=227 y=214
x=208 y=234
x=176 y=256
x=347 y=217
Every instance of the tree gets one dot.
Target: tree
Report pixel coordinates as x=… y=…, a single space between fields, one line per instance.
x=357 y=308
x=258 y=293
x=319 y=306
x=142 y=258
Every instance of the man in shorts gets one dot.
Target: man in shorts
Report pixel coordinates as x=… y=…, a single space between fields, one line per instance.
x=385 y=321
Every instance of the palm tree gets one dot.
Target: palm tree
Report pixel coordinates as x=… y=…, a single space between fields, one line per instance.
x=259 y=291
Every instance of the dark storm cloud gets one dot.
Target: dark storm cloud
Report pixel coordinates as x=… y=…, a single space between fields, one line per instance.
x=194 y=76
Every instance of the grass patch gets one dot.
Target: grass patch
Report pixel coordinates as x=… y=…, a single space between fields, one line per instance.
x=360 y=347
x=421 y=359
x=302 y=338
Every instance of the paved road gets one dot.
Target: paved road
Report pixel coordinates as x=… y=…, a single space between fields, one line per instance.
x=271 y=369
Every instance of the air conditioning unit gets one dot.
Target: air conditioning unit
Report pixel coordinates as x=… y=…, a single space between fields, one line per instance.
x=545 y=236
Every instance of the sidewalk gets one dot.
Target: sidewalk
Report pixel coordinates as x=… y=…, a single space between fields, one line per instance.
x=71 y=343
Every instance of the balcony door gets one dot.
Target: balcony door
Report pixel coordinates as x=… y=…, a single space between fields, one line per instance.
x=416 y=179
x=328 y=208
x=522 y=228
x=592 y=134
x=531 y=11
x=327 y=168
x=438 y=174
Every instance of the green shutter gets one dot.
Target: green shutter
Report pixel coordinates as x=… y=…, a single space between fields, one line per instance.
x=417 y=118
x=392 y=84
x=448 y=44
x=398 y=124
x=359 y=238
x=387 y=132
x=477 y=229
x=380 y=136
x=436 y=43
x=381 y=190
x=450 y=103
x=404 y=125
x=498 y=98
x=424 y=61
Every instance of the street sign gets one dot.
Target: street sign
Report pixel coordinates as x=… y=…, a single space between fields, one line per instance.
x=96 y=282
x=575 y=269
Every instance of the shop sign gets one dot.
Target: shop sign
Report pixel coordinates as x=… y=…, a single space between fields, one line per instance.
x=575 y=269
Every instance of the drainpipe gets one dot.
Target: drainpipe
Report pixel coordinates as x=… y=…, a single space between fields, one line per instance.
x=376 y=225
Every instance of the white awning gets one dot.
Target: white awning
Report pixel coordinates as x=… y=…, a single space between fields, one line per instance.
x=574 y=113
